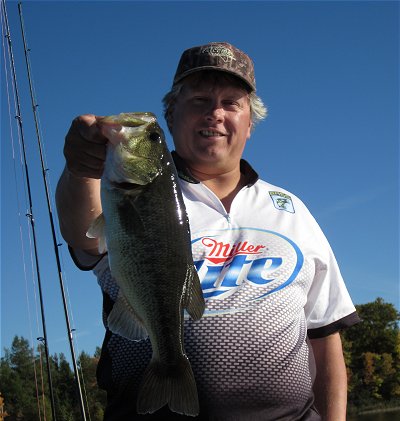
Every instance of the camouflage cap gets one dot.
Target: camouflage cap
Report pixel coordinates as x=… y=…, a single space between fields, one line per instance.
x=217 y=56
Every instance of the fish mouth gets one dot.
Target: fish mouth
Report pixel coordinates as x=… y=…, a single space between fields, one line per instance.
x=129 y=119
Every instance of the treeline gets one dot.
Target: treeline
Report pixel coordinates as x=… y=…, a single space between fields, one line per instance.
x=371 y=349
x=24 y=385
x=372 y=355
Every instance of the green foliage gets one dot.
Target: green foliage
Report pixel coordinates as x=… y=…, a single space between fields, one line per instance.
x=372 y=355
x=378 y=331
x=18 y=380
x=95 y=397
x=64 y=389
x=23 y=373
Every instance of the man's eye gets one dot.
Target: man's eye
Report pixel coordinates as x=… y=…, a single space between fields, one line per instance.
x=200 y=99
x=232 y=104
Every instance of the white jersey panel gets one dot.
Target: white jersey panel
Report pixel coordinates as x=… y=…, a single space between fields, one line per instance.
x=272 y=240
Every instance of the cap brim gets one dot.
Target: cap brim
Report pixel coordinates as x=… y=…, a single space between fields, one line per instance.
x=199 y=69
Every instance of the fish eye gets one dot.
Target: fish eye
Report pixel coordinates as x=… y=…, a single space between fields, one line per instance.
x=154 y=136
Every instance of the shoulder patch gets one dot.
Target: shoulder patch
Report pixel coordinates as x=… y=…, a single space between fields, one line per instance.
x=282 y=201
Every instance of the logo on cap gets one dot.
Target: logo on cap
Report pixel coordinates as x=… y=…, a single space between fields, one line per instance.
x=219 y=51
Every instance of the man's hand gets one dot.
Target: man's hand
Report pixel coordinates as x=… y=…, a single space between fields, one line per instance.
x=78 y=190
x=85 y=147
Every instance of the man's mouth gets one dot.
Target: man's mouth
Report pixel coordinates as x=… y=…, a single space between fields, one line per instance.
x=211 y=133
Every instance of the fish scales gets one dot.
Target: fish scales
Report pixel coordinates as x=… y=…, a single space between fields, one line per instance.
x=146 y=231
x=142 y=236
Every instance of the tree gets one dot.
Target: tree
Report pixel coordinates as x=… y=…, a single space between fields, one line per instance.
x=372 y=354
x=18 y=381
x=22 y=380
x=379 y=329
x=95 y=398
x=3 y=413
x=64 y=389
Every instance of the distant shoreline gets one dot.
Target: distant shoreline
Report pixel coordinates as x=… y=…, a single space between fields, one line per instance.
x=373 y=411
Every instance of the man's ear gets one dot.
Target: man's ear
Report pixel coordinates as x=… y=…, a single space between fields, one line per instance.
x=249 y=129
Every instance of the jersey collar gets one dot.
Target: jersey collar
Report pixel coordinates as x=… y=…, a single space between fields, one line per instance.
x=184 y=173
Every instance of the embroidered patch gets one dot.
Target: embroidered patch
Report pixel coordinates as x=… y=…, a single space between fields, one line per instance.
x=282 y=201
x=220 y=51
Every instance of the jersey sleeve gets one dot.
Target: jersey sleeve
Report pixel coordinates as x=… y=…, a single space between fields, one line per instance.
x=84 y=261
x=329 y=307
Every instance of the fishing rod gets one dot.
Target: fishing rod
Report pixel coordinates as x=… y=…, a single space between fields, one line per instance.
x=30 y=212
x=50 y=213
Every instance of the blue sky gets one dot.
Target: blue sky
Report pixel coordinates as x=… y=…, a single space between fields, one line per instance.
x=328 y=72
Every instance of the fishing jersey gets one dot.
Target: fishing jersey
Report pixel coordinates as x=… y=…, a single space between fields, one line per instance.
x=270 y=281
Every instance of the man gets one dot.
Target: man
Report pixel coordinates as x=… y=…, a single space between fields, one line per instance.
x=275 y=297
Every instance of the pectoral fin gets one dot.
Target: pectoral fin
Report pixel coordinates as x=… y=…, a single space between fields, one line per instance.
x=97 y=230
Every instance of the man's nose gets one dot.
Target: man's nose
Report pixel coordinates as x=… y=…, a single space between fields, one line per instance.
x=215 y=111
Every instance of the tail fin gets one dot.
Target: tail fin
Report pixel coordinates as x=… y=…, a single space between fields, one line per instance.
x=173 y=385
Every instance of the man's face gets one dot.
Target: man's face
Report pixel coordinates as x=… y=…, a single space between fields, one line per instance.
x=210 y=126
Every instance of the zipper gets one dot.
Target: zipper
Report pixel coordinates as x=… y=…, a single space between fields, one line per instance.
x=218 y=204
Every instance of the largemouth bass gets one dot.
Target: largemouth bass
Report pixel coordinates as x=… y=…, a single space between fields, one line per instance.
x=145 y=229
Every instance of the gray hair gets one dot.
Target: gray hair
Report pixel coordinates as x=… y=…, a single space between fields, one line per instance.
x=257 y=108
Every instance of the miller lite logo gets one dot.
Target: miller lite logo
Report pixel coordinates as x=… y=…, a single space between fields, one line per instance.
x=238 y=267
